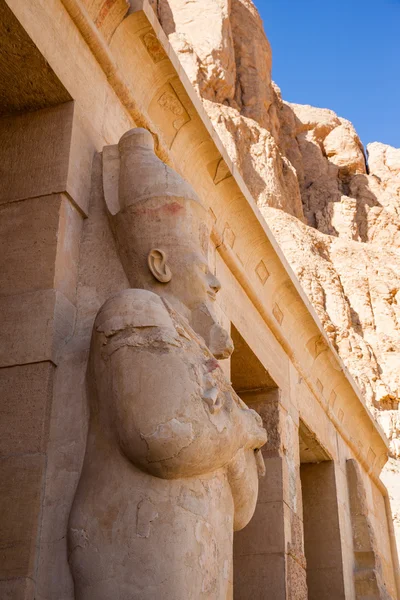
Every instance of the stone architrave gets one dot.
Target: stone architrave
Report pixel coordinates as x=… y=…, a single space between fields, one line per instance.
x=172 y=461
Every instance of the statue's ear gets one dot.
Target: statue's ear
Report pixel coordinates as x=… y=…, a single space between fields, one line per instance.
x=111 y=164
x=157 y=262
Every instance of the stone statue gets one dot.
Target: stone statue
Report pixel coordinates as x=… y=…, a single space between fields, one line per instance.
x=172 y=455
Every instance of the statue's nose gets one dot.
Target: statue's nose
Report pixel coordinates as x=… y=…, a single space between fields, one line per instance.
x=214 y=283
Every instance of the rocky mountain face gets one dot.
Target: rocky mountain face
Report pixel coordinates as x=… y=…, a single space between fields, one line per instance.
x=333 y=206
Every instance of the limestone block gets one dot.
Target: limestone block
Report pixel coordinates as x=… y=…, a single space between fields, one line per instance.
x=17 y=589
x=259 y=577
x=28 y=244
x=271 y=487
x=39 y=245
x=28 y=82
x=21 y=480
x=26 y=393
x=35 y=326
x=322 y=536
x=44 y=152
x=265 y=534
x=368 y=571
x=66 y=448
x=68 y=247
x=296 y=580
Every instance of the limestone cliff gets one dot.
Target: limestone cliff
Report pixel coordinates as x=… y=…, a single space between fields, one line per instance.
x=334 y=208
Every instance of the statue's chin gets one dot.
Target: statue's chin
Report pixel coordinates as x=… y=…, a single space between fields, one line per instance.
x=243 y=480
x=220 y=342
x=217 y=339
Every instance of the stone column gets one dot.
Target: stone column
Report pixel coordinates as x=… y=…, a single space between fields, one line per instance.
x=269 y=559
x=45 y=163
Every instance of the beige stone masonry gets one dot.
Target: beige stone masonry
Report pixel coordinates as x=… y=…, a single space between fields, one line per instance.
x=53 y=152
x=273 y=540
x=26 y=397
x=322 y=531
x=36 y=325
x=27 y=84
x=44 y=254
x=46 y=159
x=21 y=486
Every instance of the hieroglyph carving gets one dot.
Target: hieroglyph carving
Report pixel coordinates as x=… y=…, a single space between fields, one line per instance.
x=170 y=102
x=153 y=47
x=172 y=459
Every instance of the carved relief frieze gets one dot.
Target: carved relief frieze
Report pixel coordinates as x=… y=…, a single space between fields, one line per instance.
x=167 y=107
x=171 y=103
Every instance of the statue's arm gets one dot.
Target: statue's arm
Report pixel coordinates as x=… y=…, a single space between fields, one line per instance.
x=166 y=401
x=163 y=425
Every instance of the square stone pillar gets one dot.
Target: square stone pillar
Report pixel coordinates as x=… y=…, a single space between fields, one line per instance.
x=46 y=167
x=269 y=557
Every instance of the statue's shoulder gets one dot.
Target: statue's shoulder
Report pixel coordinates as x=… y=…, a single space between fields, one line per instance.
x=147 y=320
x=132 y=308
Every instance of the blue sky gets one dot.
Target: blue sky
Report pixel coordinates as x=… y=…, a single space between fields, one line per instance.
x=340 y=54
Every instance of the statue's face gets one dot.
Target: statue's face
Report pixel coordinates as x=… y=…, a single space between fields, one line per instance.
x=195 y=283
x=172 y=237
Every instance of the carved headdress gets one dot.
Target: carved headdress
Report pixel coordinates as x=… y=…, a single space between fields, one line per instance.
x=149 y=204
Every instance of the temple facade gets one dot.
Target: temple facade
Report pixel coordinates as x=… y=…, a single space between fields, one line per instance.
x=76 y=76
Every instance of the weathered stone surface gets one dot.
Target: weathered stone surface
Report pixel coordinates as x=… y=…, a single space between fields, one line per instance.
x=45 y=252
x=26 y=393
x=36 y=326
x=17 y=589
x=21 y=482
x=55 y=151
x=391 y=478
x=369 y=580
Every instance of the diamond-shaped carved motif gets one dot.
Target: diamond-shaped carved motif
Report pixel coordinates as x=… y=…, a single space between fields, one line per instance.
x=229 y=236
x=262 y=272
x=332 y=399
x=278 y=314
x=222 y=172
